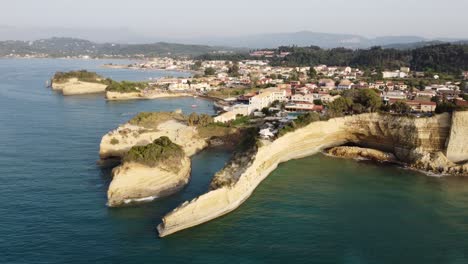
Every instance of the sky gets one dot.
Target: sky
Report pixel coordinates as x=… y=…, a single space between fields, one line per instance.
x=189 y=18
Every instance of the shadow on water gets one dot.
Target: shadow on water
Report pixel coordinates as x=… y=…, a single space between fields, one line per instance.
x=204 y=165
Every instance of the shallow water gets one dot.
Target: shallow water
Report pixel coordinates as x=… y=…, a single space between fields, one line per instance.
x=317 y=209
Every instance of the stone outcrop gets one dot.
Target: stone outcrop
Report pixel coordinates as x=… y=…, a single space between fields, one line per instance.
x=457 y=149
x=361 y=153
x=419 y=142
x=75 y=87
x=134 y=182
x=117 y=96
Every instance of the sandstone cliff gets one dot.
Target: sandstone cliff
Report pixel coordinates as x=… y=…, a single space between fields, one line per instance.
x=134 y=182
x=75 y=87
x=418 y=142
x=457 y=149
x=116 y=96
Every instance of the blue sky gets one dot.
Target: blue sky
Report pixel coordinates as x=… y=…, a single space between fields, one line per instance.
x=176 y=18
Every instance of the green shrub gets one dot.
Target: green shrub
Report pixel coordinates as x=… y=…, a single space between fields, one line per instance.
x=114 y=141
x=82 y=75
x=161 y=152
x=126 y=86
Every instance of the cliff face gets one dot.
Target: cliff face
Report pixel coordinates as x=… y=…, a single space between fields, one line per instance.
x=133 y=182
x=419 y=142
x=75 y=87
x=115 y=96
x=407 y=138
x=457 y=149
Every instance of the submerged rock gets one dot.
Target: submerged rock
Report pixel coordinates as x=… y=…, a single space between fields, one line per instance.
x=361 y=153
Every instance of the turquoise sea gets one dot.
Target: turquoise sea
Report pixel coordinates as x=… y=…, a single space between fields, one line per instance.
x=313 y=210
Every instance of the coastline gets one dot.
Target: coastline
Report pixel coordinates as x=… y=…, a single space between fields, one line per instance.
x=430 y=138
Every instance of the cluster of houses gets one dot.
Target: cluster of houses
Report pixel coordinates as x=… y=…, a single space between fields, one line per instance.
x=293 y=86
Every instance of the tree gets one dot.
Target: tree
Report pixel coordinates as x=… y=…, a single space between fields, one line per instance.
x=339 y=106
x=197 y=65
x=445 y=107
x=233 y=71
x=436 y=99
x=318 y=102
x=312 y=73
x=370 y=99
x=400 y=107
x=358 y=108
x=210 y=71
x=193 y=119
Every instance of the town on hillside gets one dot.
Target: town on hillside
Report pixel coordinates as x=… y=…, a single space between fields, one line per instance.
x=255 y=88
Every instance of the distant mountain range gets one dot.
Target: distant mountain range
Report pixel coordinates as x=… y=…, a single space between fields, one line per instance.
x=307 y=38
x=63 y=47
x=255 y=41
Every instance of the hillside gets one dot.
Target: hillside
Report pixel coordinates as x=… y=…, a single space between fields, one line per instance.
x=63 y=47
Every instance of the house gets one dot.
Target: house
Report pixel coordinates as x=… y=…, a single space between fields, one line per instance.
x=304 y=98
x=393 y=95
x=401 y=86
x=231 y=114
x=394 y=74
x=345 y=85
x=266 y=97
x=426 y=93
x=405 y=69
x=327 y=98
x=448 y=94
x=417 y=106
x=329 y=83
x=422 y=106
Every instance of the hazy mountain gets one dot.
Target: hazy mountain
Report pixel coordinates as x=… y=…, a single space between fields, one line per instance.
x=118 y=35
x=62 y=47
x=255 y=41
x=307 y=38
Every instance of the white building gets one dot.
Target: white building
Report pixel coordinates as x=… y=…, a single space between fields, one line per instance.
x=266 y=97
x=304 y=98
x=394 y=74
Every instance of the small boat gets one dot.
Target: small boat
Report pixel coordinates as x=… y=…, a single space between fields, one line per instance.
x=194 y=106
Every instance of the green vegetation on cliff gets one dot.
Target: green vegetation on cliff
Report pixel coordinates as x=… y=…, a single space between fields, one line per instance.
x=162 y=152
x=81 y=75
x=126 y=86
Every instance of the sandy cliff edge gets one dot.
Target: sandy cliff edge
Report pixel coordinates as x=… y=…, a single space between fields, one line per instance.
x=133 y=182
x=420 y=142
x=75 y=87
